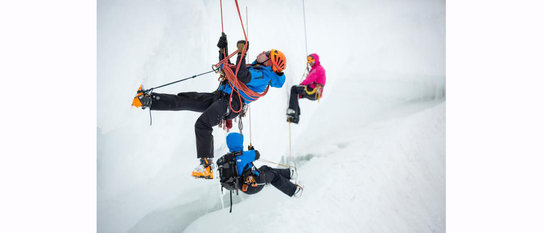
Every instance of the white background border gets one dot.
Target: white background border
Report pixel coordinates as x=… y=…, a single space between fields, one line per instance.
x=495 y=129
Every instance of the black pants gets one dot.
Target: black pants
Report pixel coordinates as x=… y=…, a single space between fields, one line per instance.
x=213 y=106
x=279 y=178
x=296 y=91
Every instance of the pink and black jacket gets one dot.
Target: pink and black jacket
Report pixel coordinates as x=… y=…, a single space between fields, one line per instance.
x=316 y=75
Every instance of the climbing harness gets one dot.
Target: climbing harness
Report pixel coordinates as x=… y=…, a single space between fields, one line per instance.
x=250 y=180
x=316 y=91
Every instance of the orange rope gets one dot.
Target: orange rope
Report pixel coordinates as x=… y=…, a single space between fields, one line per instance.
x=234 y=83
x=221 y=6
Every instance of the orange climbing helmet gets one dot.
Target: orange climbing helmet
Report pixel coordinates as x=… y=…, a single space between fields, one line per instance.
x=278 y=60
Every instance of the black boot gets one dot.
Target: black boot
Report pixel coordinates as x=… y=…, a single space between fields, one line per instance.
x=146 y=100
x=142 y=99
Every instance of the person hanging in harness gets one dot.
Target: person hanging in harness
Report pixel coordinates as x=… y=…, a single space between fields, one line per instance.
x=222 y=104
x=311 y=88
x=237 y=172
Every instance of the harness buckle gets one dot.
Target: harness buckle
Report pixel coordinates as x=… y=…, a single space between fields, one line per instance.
x=250 y=180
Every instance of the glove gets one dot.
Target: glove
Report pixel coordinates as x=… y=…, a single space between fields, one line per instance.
x=222 y=43
x=250 y=147
x=241 y=44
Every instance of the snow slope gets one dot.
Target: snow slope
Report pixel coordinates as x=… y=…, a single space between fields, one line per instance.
x=385 y=63
x=387 y=176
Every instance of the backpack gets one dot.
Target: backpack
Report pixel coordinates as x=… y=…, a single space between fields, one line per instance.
x=230 y=178
x=228 y=172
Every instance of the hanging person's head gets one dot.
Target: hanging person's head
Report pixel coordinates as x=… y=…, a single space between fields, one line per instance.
x=235 y=142
x=273 y=58
x=313 y=59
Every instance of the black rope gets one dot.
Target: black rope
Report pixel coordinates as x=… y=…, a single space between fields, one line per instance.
x=150 y=90
x=181 y=80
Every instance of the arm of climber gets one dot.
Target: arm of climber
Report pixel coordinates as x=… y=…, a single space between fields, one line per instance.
x=222 y=55
x=311 y=78
x=243 y=73
x=222 y=44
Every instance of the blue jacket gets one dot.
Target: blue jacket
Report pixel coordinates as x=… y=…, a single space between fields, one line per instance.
x=260 y=78
x=235 y=142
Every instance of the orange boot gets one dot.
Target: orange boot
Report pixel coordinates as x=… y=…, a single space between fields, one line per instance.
x=141 y=99
x=205 y=169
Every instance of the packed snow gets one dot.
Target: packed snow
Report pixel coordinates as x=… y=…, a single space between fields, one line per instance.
x=370 y=153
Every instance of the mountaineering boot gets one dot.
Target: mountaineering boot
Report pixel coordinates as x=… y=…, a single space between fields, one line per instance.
x=293 y=173
x=292 y=116
x=141 y=99
x=298 y=191
x=205 y=169
x=291 y=112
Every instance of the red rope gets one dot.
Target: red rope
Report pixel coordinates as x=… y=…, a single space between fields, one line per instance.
x=244 y=30
x=234 y=83
x=240 y=16
x=221 y=6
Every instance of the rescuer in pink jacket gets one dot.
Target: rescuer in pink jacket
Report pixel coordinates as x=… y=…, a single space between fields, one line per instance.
x=311 y=88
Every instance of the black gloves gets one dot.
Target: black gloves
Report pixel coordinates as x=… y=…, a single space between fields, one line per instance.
x=222 y=43
x=241 y=44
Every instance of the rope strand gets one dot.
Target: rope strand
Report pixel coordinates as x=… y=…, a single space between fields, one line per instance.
x=249 y=106
x=305 y=38
x=181 y=80
x=234 y=83
x=279 y=164
x=221 y=7
x=290 y=154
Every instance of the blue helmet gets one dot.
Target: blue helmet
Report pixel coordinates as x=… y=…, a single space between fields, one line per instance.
x=235 y=142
